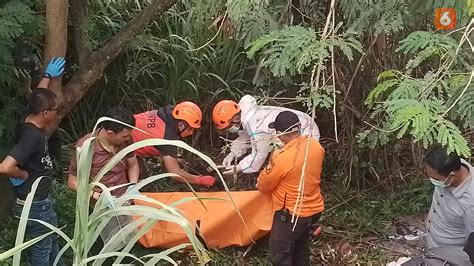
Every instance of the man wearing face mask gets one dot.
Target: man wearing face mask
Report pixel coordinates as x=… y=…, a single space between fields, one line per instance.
x=250 y=121
x=170 y=123
x=451 y=216
x=294 y=191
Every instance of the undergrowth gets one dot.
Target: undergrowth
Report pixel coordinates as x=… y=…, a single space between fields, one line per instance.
x=350 y=216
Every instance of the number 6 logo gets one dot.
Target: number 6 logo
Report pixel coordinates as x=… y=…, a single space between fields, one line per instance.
x=445 y=18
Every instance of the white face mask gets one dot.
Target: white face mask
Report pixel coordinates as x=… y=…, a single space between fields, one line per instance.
x=437 y=183
x=441 y=183
x=234 y=129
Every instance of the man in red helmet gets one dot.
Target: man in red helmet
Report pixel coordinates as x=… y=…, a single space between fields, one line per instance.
x=170 y=123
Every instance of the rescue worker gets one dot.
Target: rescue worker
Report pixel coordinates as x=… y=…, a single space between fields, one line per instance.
x=293 y=192
x=250 y=121
x=170 y=123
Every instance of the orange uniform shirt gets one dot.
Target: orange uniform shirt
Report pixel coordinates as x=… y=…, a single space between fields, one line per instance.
x=283 y=173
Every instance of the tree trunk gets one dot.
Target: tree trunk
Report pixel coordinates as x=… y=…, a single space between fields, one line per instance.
x=93 y=63
x=55 y=43
x=56 y=36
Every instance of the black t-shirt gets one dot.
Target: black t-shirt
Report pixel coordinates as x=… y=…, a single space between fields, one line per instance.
x=32 y=154
x=171 y=131
x=55 y=142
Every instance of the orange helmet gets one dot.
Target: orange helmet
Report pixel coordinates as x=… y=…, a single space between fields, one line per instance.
x=223 y=113
x=189 y=112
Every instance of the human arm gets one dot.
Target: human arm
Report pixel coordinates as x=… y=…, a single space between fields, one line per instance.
x=18 y=156
x=9 y=167
x=172 y=166
x=468 y=220
x=260 y=149
x=54 y=69
x=72 y=182
x=72 y=179
x=44 y=83
x=238 y=148
x=133 y=170
x=72 y=176
x=271 y=176
x=241 y=144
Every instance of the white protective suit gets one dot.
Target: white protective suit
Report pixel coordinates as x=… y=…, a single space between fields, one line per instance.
x=258 y=136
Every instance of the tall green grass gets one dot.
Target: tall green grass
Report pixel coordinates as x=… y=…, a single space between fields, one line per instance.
x=163 y=66
x=88 y=226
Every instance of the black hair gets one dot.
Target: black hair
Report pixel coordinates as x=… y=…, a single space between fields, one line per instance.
x=439 y=159
x=120 y=114
x=40 y=100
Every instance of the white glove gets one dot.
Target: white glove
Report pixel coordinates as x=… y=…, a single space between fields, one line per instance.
x=233 y=169
x=228 y=160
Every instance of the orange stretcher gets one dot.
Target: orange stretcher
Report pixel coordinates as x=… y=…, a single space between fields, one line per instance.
x=220 y=226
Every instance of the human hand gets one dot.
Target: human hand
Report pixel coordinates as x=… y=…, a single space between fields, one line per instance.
x=55 y=67
x=206 y=180
x=17 y=181
x=96 y=195
x=233 y=169
x=228 y=160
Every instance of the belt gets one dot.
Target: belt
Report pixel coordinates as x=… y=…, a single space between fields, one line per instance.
x=21 y=199
x=20 y=202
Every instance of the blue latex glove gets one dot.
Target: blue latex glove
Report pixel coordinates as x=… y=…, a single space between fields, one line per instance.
x=16 y=181
x=130 y=188
x=55 y=67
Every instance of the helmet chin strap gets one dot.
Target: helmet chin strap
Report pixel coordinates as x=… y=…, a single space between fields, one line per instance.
x=180 y=131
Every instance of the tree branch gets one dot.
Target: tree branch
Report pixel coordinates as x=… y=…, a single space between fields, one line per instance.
x=78 y=11
x=96 y=62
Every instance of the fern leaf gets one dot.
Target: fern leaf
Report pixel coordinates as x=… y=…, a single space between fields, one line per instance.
x=464 y=108
x=403 y=130
x=259 y=44
x=420 y=40
x=387 y=74
x=421 y=57
x=292 y=49
x=315 y=52
x=450 y=136
x=383 y=87
x=407 y=89
x=250 y=18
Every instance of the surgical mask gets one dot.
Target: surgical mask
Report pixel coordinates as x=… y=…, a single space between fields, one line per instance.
x=234 y=129
x=441 y=183
x=437 y=183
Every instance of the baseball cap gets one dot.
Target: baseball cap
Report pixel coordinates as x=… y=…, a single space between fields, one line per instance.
x=285 y=121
